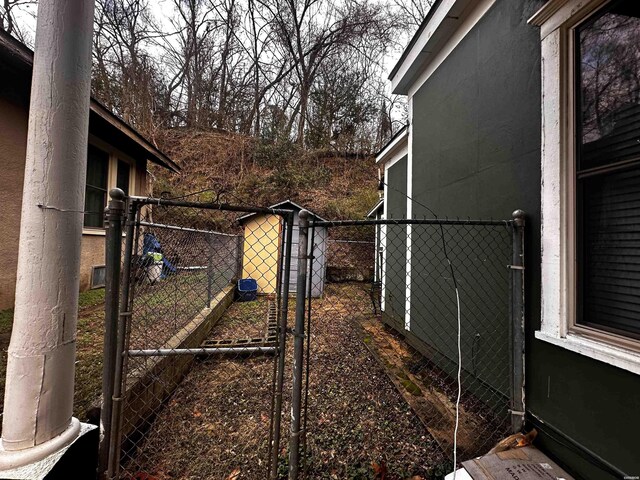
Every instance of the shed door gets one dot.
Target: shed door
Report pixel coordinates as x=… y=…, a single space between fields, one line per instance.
x=319 y=262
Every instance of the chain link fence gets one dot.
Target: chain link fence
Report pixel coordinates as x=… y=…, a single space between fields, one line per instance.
x=198 y=369
x=391 y=296
x=241 y=343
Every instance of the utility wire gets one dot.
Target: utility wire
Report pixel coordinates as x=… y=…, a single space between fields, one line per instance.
x=459 y=333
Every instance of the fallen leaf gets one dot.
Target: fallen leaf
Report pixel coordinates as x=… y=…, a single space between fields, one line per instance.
x=234 y=475
x=379 y=470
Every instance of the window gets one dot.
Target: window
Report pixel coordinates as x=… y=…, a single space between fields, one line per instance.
x=591 y=178
x=96 y=187
x=106 y=169
x=608 y=169
x=98 y=276
x=123 y=174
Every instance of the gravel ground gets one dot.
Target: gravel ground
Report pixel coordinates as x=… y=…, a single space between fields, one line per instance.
x=216 y=424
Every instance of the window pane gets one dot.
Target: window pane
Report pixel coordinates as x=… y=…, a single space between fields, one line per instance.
x=122 y=181
x=611 y=251
x=97 y=168
x=608 y=119
x=94 y=205
x=609 y=86
x=96 y=187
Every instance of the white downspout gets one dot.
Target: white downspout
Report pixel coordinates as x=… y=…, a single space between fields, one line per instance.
x=38 y=399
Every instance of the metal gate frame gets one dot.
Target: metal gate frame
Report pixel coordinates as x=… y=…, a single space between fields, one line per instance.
x=123 y=216
x=304 y=313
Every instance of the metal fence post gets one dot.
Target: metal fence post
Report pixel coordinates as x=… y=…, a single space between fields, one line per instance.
x=240 y=257
x=210 y=267
x=517 y=322
x=124 y=313
x=282 y=292
x=298 y=346
x=307 y=360
x=114 y=215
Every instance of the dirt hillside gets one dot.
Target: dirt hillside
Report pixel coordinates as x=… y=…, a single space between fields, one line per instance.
x=243 y=170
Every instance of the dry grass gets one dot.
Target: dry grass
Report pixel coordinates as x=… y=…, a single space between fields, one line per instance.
x=246 y=172
x=216 y=424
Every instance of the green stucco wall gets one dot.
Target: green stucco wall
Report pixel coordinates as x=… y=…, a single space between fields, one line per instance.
x=476 y=152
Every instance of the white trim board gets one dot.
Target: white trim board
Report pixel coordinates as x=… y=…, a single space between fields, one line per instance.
x=409 y=213
x=452 y=21
x=616 y=356
x=383 y=236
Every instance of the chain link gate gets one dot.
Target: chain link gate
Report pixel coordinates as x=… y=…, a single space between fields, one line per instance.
x=195 y=384
x=194 y=370
x=375 y=388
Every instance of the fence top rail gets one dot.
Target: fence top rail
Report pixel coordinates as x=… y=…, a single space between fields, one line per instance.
x=409 y=221
x=209 y=206
x=185 y=229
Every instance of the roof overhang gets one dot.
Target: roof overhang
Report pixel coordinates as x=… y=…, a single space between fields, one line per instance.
x=395 y=146
x=378 y=206
x=151 y=151
x=102 y=122
x=444 y=19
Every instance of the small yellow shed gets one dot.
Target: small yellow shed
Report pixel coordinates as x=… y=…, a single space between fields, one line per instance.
x=261 y=252
x=263 y=245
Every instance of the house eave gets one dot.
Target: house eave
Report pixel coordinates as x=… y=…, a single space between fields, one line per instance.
x=440 y=25
x=20 y=57
x=375 y=209
x=393 y=147
x=154 y=154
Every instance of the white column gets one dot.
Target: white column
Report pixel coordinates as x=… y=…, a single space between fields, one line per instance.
x=40 y=372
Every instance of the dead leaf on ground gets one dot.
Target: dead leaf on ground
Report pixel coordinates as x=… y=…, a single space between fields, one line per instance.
x=234 y=475
x=379 y=470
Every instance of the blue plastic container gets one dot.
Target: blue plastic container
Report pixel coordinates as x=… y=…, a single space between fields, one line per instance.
x=247 y=289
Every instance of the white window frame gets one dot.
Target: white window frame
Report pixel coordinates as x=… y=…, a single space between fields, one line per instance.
x=558 y=20
x=112 y=175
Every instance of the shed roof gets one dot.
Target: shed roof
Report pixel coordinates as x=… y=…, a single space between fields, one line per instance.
x=17 y=57
x=284 y=205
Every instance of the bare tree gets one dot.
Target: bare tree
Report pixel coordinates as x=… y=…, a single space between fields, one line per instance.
x=413 y=12
x=8 y=17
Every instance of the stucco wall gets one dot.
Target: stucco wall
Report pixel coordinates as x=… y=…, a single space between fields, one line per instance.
x=476 y=152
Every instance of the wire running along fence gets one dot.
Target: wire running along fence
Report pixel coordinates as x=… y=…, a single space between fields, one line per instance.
x=391 y=282
x=341 y=364
x=200 y=360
